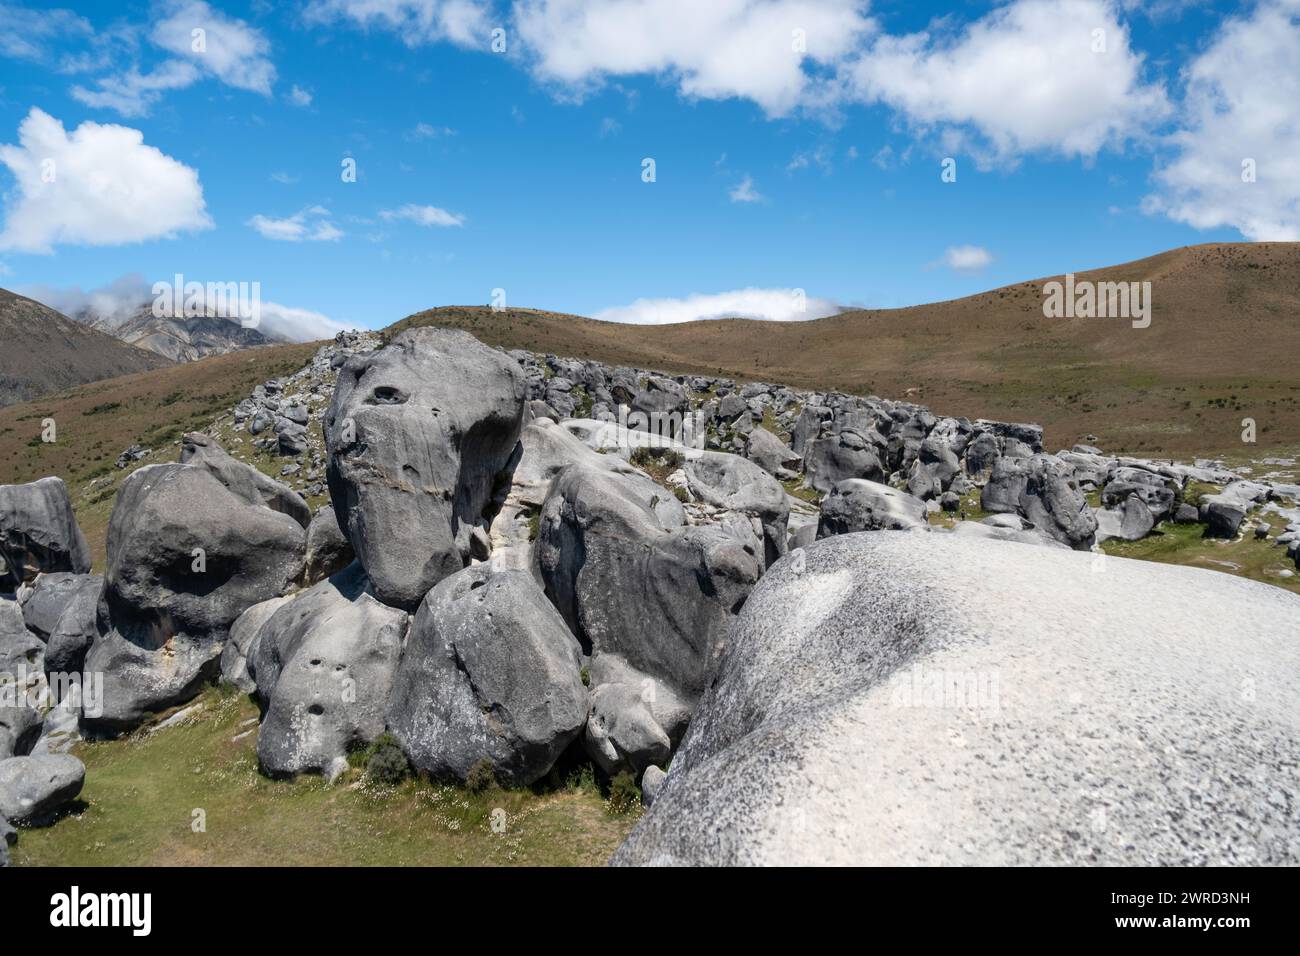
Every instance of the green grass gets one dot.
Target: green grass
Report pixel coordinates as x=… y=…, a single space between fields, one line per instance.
x=1186 y=544
x=141 y=794
x=970 y=504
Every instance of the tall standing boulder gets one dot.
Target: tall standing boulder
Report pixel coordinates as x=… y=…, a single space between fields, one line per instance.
x=489 y=672
x=635 y=583
x=38 y=533
x=418 y=436
x=187 y=554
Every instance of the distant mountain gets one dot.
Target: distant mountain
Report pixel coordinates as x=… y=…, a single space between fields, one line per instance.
x=181 y=340
x=43 y=351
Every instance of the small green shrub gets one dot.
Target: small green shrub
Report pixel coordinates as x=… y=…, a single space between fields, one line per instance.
x=385 y=762
x=681 y=494
x=481 y=777
x=624 y=794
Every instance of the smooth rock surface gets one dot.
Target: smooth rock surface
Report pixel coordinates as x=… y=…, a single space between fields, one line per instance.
x=882 y=703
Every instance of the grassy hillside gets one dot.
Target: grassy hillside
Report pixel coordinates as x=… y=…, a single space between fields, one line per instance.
x=44 y=351
x=1223 y=345
x=138 y=809
x=95 y=423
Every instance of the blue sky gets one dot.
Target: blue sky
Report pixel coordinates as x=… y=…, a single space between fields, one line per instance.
x=777 y=167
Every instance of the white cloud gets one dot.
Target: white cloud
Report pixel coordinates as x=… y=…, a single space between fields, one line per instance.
x=133 y=93
x=1240 y=104
x=744 y=191
x=422 y=215
x=714 y=50
x=108 y=188
x=311 y=225
x=284 y=179
x=463 y=22
x=234 y=52
x=967 y=258
x=1024 y=78
x=424 y=130
x=113 y=303
x=297 y=325
x=225 y=48
x=777 y=305
x=28 y=34
x=124 y=297
x=299 y=97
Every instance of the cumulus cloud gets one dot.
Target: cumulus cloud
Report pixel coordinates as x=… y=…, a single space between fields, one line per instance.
x=777 y=53
x=99 y=185
x=422 y=215
x=307 y=225
x=203 y=42
x=1026 y=77
x=1240 y=105
x=126 y=296
x=300 y=97
x=463 y=22
x=967 y=258
x=776 y=305
x=231 y=50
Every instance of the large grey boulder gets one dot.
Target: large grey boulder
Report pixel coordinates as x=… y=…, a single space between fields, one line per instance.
x=933 y=470
x=636 y=721
x=47 y=598
x=241 y=645
x=38 y=533
x=328 y=549
x=1131 y=520
x=243 y=481
x=771 y=454
x=858 y=505
x=418 y=434
x=76 y=628
x=1043 y=490
x=32 y=788
x=837 y=457
x=1006 y=528
x=883 y=703
x=20 y=649
x=187 y=554
x=737 y=484
x=324 y=665
x=631 y=579
x=1224 y=512
x=1153 y=490
x=489 y=672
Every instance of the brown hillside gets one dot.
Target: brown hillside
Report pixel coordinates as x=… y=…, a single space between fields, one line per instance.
x=97 y=422
x=42 y=351
x=1224 y=344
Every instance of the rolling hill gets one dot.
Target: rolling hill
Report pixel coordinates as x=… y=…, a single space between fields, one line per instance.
x=43 y=351
x=1223 y=345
